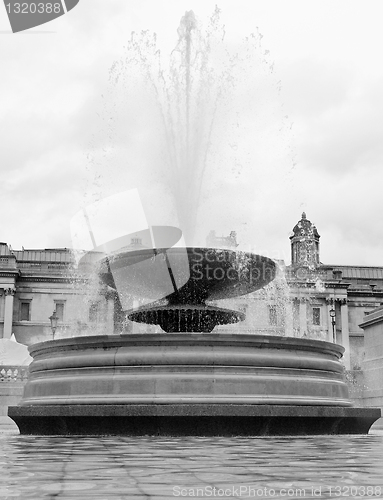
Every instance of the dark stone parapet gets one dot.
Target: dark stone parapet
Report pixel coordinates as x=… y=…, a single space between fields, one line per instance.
x=192 y=420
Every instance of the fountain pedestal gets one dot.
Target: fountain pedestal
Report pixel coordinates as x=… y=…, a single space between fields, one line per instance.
x=188 y=384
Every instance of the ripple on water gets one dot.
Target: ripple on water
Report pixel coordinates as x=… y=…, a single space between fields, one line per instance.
x=116 y=468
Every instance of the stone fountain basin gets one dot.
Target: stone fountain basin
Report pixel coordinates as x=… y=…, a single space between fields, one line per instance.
x=185 y=368
x=184 y=278
x=186 y=275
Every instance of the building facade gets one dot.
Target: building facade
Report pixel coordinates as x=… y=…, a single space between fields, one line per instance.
x=331 y=299
x=312 y=299
x=373 y=361
x=34 y=283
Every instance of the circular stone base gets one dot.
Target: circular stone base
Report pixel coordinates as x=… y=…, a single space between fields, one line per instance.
x=192 y=420
x=188 y=368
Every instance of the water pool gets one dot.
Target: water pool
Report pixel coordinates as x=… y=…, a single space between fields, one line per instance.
x=158 y=467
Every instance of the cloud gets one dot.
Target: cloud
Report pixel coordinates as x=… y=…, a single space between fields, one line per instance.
x=331 y=87
x=347 y=136
x=314 y=87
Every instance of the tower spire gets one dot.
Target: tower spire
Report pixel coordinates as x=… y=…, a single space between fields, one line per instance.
x=305 y=244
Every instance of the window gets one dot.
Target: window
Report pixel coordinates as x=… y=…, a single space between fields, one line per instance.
x=25 y=311
x=316 y=315
x=273 y=316
x=59 y=307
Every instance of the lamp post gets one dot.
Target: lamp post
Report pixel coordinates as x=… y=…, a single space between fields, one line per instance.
x=332 y=316
x=54 y=320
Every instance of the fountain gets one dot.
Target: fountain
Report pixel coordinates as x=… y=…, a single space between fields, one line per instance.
x=188 y=379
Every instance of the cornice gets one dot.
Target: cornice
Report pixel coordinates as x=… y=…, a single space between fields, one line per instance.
x=296 y=283
x=337 y=284
x=9 y=274
x=365 y=293
x=44 y=279
x=373 y=318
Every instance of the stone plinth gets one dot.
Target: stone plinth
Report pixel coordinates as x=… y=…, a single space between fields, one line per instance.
x=188 y=384
x=186 y=368
x=192 y=420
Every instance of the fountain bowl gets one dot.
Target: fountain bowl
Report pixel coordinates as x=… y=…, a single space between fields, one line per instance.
x=185 y=278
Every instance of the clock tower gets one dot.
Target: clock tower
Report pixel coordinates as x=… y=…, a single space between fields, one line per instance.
x=305 y=244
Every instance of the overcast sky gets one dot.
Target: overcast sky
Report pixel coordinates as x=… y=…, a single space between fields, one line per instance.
x=327 y=56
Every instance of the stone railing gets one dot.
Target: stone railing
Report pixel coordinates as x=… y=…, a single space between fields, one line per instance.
x=11 y=373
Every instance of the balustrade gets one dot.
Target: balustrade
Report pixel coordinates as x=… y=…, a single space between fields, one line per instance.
x=13 y=373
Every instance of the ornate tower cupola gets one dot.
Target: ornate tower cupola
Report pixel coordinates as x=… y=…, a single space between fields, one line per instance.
x=305 y=244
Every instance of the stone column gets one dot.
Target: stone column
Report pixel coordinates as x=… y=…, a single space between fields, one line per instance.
x=330 y=305
x=8 y=312
x=302 y=318
x=345 y=333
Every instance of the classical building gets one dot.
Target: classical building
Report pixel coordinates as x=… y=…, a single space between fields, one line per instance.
x=312 y=299
x=215 y=241
x=331 y=299
x=34 y=283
